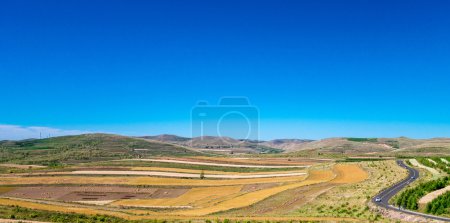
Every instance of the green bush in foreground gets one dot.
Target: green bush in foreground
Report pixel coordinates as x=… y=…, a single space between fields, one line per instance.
x=20 y=213
x=440 y=205
x=409 y=198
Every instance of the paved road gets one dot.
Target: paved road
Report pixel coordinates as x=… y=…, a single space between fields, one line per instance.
x=388 y=193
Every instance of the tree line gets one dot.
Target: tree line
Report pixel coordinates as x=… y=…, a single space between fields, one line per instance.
x=439 y=205
x=409 y=198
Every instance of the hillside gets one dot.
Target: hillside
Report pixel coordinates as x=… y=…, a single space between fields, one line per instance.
x=376 y=146
x=167 y=138
x=84 y=148
x=286 y=144
x=218 y=144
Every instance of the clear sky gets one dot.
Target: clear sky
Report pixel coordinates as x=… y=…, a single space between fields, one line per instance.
x=313 y=69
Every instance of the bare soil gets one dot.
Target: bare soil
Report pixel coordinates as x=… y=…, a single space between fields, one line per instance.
x=93 y=193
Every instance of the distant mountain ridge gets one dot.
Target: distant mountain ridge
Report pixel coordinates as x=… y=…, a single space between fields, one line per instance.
x=341 y=145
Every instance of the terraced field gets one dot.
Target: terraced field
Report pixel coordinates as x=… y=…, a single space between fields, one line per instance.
x=135 y=192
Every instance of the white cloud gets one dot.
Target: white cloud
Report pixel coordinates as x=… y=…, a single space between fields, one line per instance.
x=15 y=132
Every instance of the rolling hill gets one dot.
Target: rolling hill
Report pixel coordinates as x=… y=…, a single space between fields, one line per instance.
x=400 y=146
x=85 y=148
x=376 y=146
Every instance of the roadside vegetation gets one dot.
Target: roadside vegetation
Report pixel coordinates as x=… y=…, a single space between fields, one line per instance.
x=21 y=213
x=440 y=205
x=409 y=198
x=435 y=163
x=350 y=200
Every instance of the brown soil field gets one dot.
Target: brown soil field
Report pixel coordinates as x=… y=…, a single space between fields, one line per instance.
x=254 y=197
x=194 y=197
x=254 y=187
x=256 y=161
x=220 y=164
x=6 y=189
x=65 y=193
x=290 y=200
x=154 y=181
x=179 y=170
x=284 y=202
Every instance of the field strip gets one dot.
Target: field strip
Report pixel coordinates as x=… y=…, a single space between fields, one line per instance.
x=253 y=197
x=183 y=175
x=216 y=164
x=432 y=195
x=61 y=208
x=415 y=163
x=432 y=161
x=349 y=173
x=180 y=170
x=134 y=180
x=254 y=161
x=160 y=216
x=20 y=166
x=193 y=196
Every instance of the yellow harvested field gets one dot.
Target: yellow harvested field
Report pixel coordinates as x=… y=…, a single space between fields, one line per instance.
x=349 y=173
x=194 y=197
x=141 y=180
x=253 y=197
x=6 y=189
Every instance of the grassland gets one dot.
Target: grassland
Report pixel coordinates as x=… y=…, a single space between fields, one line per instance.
x=350 y=200
x=84 y=148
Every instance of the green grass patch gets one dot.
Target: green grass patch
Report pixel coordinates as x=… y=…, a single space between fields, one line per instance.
x=362 y=139
x=137 y=163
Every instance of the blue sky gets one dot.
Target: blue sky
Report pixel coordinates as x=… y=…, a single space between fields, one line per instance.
x=313 y=69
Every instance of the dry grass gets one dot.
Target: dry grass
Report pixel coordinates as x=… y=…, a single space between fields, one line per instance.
x=179 y=170
x=194 y=197
x=258 y=161
x=290 y=200
x=6 y=189
x=349 y=173
x=156 y=181
x=63 y=209
x=247 y=199
x=350 y=199
x=153 y=215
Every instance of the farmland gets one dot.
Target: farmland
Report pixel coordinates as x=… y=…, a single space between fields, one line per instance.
x=213 y=187
x=184 y=184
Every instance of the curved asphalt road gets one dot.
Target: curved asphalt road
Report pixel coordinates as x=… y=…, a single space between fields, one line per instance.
x=387 y=194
